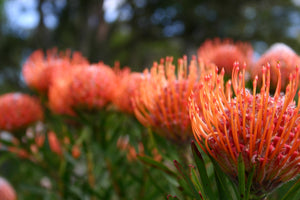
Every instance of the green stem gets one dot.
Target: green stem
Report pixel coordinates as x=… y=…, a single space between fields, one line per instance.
x=62 y=169
x=90 y=167
x=112 y=177
x=184 y=155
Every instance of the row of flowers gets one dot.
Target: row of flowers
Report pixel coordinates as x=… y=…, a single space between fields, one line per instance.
x=183 y=101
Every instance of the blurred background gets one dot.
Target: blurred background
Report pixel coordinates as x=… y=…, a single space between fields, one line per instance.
x=136 y=32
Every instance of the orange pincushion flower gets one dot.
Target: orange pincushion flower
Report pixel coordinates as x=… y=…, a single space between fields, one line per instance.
x=224 y=53
x=82 y=87
x=161 y=100
x=18 y=111
x=92 y=87
x=283 y=54
x=37 y=70
x=264 y=129
x=7 y=192
x=127 y=84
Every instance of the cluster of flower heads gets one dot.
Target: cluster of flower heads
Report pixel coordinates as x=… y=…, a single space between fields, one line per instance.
x=223 y=53
x=179 y=100
x=71 y=82
x=158 y=97
x=263 y=128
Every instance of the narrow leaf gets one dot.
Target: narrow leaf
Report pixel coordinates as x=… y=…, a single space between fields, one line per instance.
x=292 y=191
x=150 y=161
x=170 y=197
x=188 y=180
x=241 y=177
x=222 y=183
x=202 y=171
x=249 y=183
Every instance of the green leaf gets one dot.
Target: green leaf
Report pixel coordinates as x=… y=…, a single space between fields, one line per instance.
x=249 y=183
x=194 y=179
x=202 y=171
x=184 y=188
x=222 y=182
x=241 y=177
x=188 y=180
x=292 y=191
x=170 y=197
x=5 y=156
x=150 y=161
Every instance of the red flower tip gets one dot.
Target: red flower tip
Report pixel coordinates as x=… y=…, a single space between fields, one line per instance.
x=76 y=151
x=54 y=143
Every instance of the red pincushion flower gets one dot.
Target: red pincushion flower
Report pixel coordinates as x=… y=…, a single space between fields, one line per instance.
x=82 y=87
x=264 y=129
x=7 y=192
x=127 y=83
x=18 y=111
x=92 y=87
x=161 y=99
x=277 y=53
x=37 y=70
x=224 y=53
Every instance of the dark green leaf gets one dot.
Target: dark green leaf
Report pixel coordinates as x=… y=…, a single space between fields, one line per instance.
x=150 y=161
x=222 y=183
x=202 y=171
x=292 y=191
x=188 y=180
x=249 y=182
x=241 y=177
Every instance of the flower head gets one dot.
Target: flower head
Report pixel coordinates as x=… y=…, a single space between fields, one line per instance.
x=161 y=99
x=37 y=70
x=263 y=129
x=127 y=83
x=82 y=87
x=224 y=53
x=18 y=111
x=7 y=192
x=278 y=53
